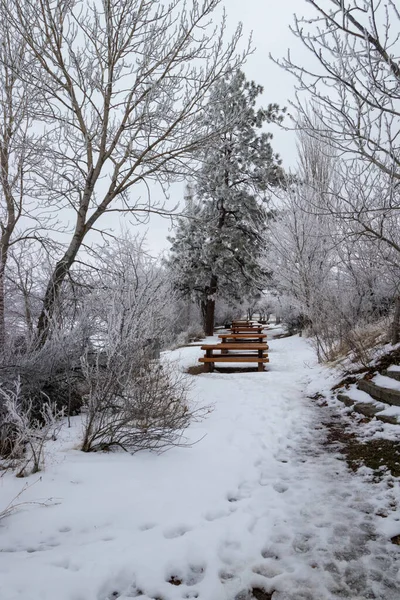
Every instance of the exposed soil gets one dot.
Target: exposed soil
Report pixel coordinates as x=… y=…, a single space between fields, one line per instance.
x=279 y=336
x=260 y=594
x=195 y=370
x=380 y=455
x=391 y=358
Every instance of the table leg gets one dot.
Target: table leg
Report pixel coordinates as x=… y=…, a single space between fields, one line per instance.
x=260 y=365
x=210 y=365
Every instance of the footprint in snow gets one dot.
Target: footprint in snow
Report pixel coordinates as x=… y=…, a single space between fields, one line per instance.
x=65 y=563
x=213 y=515
x=269 y=552
x=280 y=487
x=244 y=491
x=233 y=498
x=113 y=591
x=267 y=570
x=302 y=543
x=229 y=552
x=227 y=576
x=176 y=532
x=147 y=526
x=193 y=575
x=65 y=529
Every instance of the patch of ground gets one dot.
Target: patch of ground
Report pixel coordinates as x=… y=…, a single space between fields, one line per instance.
x=377 y=454
x=280 y=336
x=195 y=370
x=261 y=594
x=391 y=358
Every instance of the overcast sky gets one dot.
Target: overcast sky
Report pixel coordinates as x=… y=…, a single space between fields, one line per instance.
x=269 y=22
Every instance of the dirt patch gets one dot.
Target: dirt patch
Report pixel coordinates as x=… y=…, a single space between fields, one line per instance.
x=195 y=370
x=261 y=594
x=174 y=580
x=279 y=336
x=379 y=455
x=391 y=358
x=395 y=540
x=346 y=382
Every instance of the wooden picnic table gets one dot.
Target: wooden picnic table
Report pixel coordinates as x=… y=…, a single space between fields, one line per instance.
x=245 y=352
x=240 y=329
x=251 y=337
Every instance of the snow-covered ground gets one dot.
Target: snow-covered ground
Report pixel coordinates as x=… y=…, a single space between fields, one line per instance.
x=257 y=502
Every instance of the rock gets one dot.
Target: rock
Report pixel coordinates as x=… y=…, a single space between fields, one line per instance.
x=393 y=374
x=367 y=409
x=387 y=419
x=395 y=540
x=345 y=399
x=385 y=395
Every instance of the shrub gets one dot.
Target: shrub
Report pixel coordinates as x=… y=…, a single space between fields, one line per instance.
x=144 y=408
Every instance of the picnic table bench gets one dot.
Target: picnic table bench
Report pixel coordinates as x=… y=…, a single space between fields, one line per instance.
x=256 y=353
x=250 y=337
x=251 y=329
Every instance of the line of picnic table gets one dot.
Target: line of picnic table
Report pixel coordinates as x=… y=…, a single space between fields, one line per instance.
x=245 y=343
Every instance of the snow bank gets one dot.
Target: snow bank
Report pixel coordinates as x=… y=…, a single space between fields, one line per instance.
x=255 y=502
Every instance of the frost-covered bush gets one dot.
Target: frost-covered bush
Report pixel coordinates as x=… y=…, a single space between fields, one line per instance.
x=105 y=339
x=144 y=407
x=23 y=435
x=193 y=333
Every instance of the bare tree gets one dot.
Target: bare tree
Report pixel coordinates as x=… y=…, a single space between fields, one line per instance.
x=19 y=213
x=355 y=83
x=122 y=88
x=333 y=253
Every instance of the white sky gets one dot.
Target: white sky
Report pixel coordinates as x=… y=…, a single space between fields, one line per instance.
x=269 y=22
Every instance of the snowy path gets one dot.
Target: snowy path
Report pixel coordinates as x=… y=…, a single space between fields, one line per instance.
x=256 y=503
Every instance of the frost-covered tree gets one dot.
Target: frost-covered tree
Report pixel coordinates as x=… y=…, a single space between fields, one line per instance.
x=333 y=277
x=216 y=250
x=120 y=89
x=354 y=77
x=354 y=83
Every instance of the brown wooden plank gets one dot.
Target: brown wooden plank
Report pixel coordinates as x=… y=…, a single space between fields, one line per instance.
x=247 y=329
x=242 y=336
x=238 y=346
x=236 y=352
x=233 y=358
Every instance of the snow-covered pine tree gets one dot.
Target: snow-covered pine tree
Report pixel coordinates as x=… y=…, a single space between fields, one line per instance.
x=217 y=249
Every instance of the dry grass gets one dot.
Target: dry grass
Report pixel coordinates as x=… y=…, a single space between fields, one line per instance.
x=358 y=343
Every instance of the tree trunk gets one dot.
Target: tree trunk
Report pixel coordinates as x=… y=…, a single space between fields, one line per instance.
x=209 y=317
x=54 y=285
x=208 y=307
x=395 y=328
x=2 y=311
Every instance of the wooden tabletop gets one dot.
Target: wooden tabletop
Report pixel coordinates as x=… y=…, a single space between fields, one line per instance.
x=246 y=329
x=242 y=336
x=239 y=346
